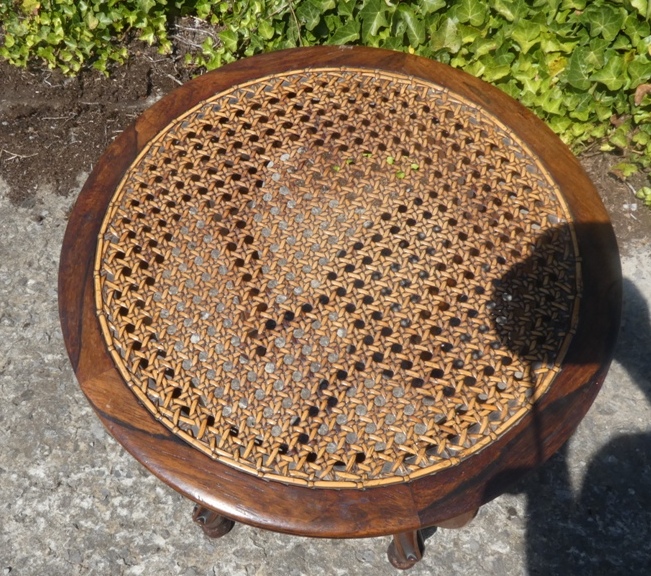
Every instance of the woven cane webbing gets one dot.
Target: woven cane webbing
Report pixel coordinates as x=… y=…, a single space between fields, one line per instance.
x=337 y=278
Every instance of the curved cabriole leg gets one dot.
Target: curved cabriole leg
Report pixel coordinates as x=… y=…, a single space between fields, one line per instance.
x=213 y=524
x=406 y=549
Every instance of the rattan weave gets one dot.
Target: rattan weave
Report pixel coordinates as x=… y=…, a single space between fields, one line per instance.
x=337 y=278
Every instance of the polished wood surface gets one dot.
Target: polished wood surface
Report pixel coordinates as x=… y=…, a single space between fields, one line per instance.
x=395 y=509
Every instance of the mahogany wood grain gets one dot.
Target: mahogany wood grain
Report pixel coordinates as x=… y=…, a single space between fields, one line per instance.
x=394 y=509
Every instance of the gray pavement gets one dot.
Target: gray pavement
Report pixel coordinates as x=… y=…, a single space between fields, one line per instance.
x=73 y=502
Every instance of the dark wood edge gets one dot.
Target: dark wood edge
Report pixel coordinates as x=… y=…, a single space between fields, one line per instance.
x=346 y=513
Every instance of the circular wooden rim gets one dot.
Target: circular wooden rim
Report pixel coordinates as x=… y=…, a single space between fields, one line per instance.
x=333 y=513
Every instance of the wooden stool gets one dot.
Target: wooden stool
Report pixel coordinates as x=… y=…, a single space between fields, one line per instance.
x=339 y=292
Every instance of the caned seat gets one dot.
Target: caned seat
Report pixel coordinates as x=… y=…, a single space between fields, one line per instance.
x=339 y=292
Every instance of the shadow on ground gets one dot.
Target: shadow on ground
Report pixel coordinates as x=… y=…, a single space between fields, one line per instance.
x=606 y=528
x=602 y=526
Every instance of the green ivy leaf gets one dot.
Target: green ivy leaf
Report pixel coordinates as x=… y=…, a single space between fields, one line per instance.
x=393 y=43
x=399 y=29
x=552 y=100
x=639 y=70
x=605 y=21
x=622 y=42
x=53 y=38
x=324 y=5
x=559 y=124
x=30 y=6
x=468 y=34
x=147 y=35
x=483 y=46
x=595 y=56
x=414 y=25
x=346 y=34
x=48 y=55
x=146 y=5
x=551 y=42
x=555 y=64
x=291 y=34
x=579 y=105
x=621 y=135
x=511 y=88
x=624 y=169
x=374 y=17
x=503 y=56
x=643 y=7
x=92 y=21
x=578 y=71
x=476 y=68
x=578 y=5
x=308 y=14
x=446 y=36
x=494 y=68
x=430 y=6
x=512 y=10
x=471 y=11
x=526 y=34
x=644 y=194
x=548 y=6
x=530 y=83
x=346 y=8
x=636 y=29
x=229 y=39
x=266 y=30
x=613 y=74
x=204 y=8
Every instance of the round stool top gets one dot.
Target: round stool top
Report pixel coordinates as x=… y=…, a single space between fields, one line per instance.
x=302 y=276
x=338 y=275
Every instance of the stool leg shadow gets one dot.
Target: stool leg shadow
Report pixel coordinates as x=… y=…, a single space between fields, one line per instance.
x=407 y=548
x=213 y=524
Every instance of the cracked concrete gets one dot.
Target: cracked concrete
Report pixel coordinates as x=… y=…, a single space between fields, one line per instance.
x=72 y=502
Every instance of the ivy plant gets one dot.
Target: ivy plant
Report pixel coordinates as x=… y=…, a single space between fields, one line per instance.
x=583 y=66
x=67 y=34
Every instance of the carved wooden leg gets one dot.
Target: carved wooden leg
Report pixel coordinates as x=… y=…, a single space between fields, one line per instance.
x=213 y=525
x=405 y=550
x=407 y=547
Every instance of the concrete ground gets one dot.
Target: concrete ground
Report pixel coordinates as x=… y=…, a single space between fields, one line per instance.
x=73 y=502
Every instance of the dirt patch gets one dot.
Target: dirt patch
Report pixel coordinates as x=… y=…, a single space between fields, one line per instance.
x=53 y=129
x=631 y=219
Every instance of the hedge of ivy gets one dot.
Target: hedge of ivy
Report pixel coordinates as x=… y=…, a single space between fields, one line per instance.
x=584 y=66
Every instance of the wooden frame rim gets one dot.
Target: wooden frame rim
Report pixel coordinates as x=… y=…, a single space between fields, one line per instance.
x=385 y=509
